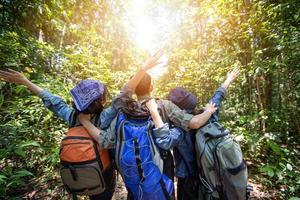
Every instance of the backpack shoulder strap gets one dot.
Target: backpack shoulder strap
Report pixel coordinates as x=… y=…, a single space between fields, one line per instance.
x=73 y=119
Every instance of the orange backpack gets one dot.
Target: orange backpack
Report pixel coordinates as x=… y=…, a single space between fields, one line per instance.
x=82 y=163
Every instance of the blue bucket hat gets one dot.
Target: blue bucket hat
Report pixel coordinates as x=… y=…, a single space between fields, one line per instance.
x=183 y=99
x=85 y=92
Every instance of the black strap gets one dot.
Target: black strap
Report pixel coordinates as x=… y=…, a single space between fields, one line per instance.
x=164 y=189
x=74 y=196
x=73 y=117
x=235 y=171
x=138 y=159
x=97 y=155
x=73 y=172
x=96 y=120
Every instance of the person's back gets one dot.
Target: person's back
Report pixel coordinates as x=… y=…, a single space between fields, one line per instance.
x=183 y=141
x=88 y=96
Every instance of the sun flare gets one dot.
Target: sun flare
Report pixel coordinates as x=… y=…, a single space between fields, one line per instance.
x=149 y=25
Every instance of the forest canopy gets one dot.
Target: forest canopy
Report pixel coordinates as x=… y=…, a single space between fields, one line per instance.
x=57 y=43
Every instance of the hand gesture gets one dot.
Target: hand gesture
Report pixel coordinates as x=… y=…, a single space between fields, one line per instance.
x=153 y=60
x=13 y=77
x=210 y=107
x=152 y=105
x=231 y=76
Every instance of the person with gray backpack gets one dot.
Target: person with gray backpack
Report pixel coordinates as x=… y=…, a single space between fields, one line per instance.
x=222 y=169
x=221 y=175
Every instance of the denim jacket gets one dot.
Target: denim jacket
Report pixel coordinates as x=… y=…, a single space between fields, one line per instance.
x=183 y=143
x=62 y=110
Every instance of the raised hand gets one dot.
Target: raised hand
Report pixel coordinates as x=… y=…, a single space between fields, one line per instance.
x=231 y=76
x=153 y=60
x=13 y=77
x=210 y=107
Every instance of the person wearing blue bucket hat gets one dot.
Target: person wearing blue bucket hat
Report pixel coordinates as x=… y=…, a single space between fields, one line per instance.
x=89 y=96
x=86 y=92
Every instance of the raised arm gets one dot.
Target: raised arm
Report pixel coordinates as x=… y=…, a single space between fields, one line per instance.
x=219 y=95
x=18 y=78
x=231 y=77
x=148 y=64
x=54 y=103
x=199 y=120
x=127 y=92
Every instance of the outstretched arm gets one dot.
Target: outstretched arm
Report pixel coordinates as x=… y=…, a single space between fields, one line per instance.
x=199 y=120
x=151 y=62
x=18 y=78
x=231 y=77
x=219 y=95
x=54 y=103
x=127 y=92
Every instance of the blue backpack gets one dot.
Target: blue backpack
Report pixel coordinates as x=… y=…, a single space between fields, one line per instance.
x=138 y=160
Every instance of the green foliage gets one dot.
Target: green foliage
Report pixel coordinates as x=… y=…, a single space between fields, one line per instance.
x=57 y=43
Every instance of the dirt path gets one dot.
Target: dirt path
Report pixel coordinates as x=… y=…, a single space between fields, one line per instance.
x=260 y=192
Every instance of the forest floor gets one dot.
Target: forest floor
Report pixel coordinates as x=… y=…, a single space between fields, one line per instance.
x=260 y=192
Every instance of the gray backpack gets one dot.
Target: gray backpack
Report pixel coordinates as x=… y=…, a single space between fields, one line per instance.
x=222 y=170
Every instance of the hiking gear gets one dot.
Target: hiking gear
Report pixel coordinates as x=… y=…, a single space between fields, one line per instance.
x=183 y=99
x=85 y=92
x=223 y=172
x=138 y=160
x=84 y=164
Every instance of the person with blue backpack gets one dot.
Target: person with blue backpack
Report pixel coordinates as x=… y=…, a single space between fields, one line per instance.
x=137 y=157
x=183 y=143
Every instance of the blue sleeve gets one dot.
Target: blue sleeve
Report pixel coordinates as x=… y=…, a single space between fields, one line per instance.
x=217 y=98
x=107 y=116
x=167 y=138
x=57 y=105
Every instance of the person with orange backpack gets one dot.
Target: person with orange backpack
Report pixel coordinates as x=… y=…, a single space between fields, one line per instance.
x=82 y=160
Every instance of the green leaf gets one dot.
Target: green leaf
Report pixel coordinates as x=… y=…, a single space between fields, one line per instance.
x=2 y=178
x=30 y=143
x=20 y=152
x=1 y=100
x=275 y=147
x=294 y=198
x=19 y=89
x=22 y=173
x=268 y=170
